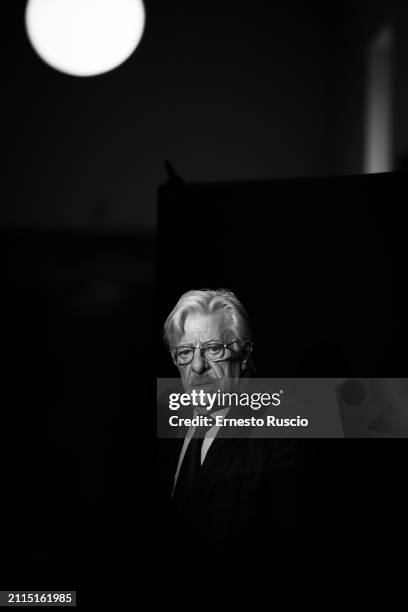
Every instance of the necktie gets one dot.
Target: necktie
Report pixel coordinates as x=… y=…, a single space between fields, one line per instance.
x=191 y=466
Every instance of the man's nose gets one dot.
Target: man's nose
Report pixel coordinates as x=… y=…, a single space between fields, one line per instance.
x=198 y=364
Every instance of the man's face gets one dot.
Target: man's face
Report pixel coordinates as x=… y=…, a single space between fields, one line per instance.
x=209 y=375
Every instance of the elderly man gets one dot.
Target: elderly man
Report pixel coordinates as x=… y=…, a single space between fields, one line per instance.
x=236 y=489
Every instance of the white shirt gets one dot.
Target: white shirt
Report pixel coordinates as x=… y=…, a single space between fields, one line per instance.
x=207 y=441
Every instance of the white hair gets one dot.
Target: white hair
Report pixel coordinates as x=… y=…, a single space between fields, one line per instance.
x=208 y=301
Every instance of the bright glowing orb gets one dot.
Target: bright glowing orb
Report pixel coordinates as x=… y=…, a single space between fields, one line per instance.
x=84 y=37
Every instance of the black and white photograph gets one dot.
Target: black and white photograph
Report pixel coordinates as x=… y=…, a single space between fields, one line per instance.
x=204 y=247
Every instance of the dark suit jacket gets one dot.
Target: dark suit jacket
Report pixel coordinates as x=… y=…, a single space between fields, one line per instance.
x=244 y=498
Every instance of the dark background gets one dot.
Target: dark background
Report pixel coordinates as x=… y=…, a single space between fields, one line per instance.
x=227 y=92
x=318 y=263
x=320 y=266
x=224 y=90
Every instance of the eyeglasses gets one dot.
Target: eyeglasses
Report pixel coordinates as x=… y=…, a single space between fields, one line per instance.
x=210 y=351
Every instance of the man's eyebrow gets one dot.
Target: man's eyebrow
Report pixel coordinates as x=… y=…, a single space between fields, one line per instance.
x=219 y=340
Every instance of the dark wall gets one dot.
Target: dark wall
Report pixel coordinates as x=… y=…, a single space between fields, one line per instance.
x=75 y=363
x=401 y=83
x=354 y=26
x=317 y=263
x=225 y=90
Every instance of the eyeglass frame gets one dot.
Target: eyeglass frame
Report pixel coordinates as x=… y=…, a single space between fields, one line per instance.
x=200 y=347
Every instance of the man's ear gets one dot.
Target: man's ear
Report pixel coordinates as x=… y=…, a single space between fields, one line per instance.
x=246 y=352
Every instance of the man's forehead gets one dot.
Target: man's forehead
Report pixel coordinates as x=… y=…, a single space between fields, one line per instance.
x=203 y=326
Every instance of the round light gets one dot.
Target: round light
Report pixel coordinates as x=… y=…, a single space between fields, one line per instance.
x=84 y=37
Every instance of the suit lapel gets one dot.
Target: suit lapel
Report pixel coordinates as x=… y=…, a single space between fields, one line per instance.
x=219 y=455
